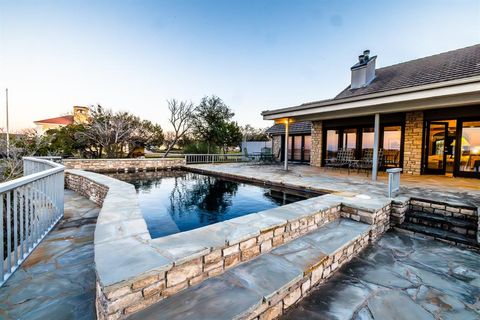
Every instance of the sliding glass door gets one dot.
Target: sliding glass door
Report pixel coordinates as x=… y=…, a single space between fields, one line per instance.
x=469 y=150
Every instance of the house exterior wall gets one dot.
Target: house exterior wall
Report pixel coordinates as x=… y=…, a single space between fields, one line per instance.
x=316 y=152
x=412 y=155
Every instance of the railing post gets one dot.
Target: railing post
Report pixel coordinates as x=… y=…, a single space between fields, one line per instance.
x=393 y=181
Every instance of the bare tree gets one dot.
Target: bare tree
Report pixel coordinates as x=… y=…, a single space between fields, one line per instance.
x=181 y=116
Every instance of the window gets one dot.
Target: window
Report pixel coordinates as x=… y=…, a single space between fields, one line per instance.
x=392 y=140
x=349 y=139
x=332 y=144
x=470 y=147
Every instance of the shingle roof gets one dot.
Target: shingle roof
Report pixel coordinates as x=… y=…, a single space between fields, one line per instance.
x=65 y=120
x=295 y=128
x=451 y=65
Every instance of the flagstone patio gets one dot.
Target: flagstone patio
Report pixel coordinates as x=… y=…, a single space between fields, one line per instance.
x=399 y=277
x=57 y=281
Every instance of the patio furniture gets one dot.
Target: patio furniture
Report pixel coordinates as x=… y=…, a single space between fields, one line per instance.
x=343 y=160
x=366 y=163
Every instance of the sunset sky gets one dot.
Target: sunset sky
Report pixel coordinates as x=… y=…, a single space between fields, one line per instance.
x=255 y=55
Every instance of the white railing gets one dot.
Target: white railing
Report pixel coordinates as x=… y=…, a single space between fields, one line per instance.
x=393 y=181
x=30 y=207
x=220 y=158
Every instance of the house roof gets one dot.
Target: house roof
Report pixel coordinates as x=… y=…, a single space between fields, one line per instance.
x=64 y=120
x=451 y=65
x=411 y=76
x=294 y=128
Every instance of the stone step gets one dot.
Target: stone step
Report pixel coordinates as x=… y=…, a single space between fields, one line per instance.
x=439 y=233
x=266 y=280
x=452 y=224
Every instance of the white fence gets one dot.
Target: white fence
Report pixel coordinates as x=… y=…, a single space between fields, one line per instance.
x=220 y=158
x=30 y=207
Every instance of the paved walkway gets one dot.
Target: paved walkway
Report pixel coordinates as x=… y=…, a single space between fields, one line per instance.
x=399 y=277
x=57 y=281
x=462 y=191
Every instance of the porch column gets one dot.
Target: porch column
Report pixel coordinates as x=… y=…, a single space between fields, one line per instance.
x=285 y=165
x=376 y=140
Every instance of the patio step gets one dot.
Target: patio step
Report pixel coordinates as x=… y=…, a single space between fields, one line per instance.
x=439 y=233
x=452 y=224
x=250 y=288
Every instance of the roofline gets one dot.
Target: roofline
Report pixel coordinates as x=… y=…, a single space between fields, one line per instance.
x=283 y=112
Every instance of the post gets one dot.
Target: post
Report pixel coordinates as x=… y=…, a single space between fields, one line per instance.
x=376 y=140
x=285 y=166
x=8 y=128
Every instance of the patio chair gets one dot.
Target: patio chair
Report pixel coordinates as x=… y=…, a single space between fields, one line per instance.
x=366 y=162
x=343 y=160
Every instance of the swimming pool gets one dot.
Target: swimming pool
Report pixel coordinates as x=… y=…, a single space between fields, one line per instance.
x=176 y=201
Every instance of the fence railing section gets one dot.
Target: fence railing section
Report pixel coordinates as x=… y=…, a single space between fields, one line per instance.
x=393 y=181
x=30 y=207
x=236 y=157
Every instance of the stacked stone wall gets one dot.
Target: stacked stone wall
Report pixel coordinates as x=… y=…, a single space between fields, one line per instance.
x=123 y=165
x=412 y=154
x=275 y=306
x=86 y=187
x=316 y=151
x=380 y=219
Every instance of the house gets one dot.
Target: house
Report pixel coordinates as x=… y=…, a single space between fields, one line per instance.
x=80 y=115
x=421 y=115
x=300 y=141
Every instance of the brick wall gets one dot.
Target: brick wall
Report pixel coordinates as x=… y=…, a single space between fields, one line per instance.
x=412 y=159
x=123 y=165
x=316 y=152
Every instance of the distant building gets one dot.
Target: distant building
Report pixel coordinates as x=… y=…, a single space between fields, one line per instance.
x=80 y=115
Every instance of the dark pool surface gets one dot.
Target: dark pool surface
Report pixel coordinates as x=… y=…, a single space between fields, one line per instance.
x=176 y=201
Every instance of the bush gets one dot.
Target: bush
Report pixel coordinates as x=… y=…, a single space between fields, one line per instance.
x=199 y=147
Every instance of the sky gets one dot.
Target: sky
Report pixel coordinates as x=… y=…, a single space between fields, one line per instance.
x=254 y=54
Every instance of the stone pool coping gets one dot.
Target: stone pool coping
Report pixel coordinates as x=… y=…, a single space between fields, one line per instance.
x=134 y=271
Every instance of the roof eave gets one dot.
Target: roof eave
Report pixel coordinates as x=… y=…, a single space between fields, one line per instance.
x=285 y=112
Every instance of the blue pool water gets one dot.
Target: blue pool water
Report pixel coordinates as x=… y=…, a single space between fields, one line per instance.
x=176 y=201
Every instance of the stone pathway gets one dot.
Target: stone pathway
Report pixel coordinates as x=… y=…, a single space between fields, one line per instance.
x=399 y=277
x=57 y=281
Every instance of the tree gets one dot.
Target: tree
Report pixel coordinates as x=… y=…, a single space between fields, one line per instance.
x=181 y=119
x=230 y=135
x=110 y=133
x=253 y=134
x=211 y=117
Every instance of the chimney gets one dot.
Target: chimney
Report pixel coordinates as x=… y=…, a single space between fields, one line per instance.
x=363 y=72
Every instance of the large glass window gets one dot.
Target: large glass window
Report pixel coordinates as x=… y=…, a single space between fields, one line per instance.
x=297 y=148
x=367 y=142
x=349 y=139
x=392 y=140
x=470 y=147
x=332 y=144
x=307 y=147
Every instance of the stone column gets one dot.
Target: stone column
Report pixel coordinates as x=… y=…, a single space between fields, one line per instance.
x=316 y=152
x=412 y=155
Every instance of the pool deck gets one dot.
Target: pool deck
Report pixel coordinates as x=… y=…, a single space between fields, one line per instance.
x=399 y=277
x=460 y=191
x=57 y=281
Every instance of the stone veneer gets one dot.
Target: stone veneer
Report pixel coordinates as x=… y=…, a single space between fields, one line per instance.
x=412 y=154
x=123 y=165
x=277 y=147
x=316 y=151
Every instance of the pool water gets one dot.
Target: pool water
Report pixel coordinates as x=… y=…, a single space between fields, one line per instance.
x=176 y=201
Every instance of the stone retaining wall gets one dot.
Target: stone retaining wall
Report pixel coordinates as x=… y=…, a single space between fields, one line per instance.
x=380 y=218
x=86 y=187
x=142 y=292
x=318 y=274
x=448 y=210
x=123 y=165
